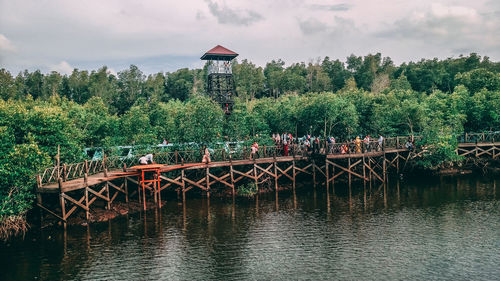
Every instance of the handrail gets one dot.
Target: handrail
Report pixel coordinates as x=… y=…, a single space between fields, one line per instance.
x=77 y=170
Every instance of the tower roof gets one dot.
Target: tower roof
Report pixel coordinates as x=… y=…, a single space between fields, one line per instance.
x=219 y=53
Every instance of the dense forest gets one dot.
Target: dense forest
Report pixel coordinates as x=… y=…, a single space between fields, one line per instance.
x=437 y=99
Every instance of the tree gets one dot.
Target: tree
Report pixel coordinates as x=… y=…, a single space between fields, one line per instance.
x=478 y=79
x=103 y=84
x=130 y=87
x=7 y=85
x=180 y=84
x=52 y=84
x=273 y=72
x=317 y=79
x=336 y=72
x=202 y=120
x=249 y=80
x=155 y=87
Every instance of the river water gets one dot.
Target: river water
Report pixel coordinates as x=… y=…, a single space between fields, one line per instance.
x=437 y=229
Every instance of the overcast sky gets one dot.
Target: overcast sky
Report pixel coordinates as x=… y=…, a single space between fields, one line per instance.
x=167 y=35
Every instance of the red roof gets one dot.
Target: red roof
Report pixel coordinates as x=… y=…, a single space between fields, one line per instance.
x=219 y=52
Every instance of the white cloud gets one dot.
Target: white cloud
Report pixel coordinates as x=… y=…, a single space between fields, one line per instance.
x=159 y=35
x=465 y=13
x=6 y=45
x=63 y=67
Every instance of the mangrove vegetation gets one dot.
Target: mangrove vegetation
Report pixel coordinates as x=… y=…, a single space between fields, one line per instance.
x=437 y=99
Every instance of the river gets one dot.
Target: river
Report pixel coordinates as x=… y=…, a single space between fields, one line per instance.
x=422 y=229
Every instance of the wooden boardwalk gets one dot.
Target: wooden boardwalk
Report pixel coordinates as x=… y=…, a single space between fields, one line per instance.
x=107 y=185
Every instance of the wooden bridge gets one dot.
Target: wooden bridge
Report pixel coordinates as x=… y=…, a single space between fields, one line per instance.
x=78 y=186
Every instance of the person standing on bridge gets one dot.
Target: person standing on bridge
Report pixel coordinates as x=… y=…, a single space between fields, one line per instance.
x=357 y=143
x=366 y=143
x=147 y=159
x=206 y=155
x=255 y=150
x=380 y=142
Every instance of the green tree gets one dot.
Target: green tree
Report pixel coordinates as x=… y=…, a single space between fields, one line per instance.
x=478 y=79
x=180 y=84
x=202 y=120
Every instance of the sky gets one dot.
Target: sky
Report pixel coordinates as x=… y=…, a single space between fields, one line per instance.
x=163 y=36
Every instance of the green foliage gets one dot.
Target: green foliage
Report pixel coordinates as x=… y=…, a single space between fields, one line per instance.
x=478 y=79
x=201 y=121
x=365 y=95
x=440 y=142
x=180 y=83
x=17 y=168
x=247 y=190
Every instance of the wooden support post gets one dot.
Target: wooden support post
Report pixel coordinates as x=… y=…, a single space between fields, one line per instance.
x=349 y=171
x=397 y=162
x=256 y=178
x=143 y=192
x=232 y=177
x=208 y=181
x=314 y=173
x=154 y=190
x=61 y=201
x=85 y=182
x=293 y=172
x=86 y=167
x=183 y=188
x=364 y=170
x=39 y=196
x=139 y=189
x=158 y=181
x=327 y=173
x=107 y=196
x=333 y=179
x=384 y=169
x=125 y=184
x=275 y=176
x=65 y=172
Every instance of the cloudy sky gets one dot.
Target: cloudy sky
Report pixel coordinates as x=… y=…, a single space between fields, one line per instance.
x=164 y=35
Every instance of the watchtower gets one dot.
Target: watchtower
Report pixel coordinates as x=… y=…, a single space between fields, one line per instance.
x=220 y=84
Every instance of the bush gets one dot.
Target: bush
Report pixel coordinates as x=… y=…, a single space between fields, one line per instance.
x=247 y=190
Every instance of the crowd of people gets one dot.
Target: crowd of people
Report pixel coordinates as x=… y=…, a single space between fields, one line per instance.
x=286 y=144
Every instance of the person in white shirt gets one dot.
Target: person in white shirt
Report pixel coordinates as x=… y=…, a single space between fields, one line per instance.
x=146 y=159
x=380 y=142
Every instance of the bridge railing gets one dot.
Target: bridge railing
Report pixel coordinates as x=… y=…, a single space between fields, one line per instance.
x=91 y=167
x=479 y=137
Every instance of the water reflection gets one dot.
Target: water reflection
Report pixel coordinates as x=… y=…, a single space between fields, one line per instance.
x=412 y=230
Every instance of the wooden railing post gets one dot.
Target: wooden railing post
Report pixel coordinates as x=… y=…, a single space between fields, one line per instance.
x=86 y=167
x=38 y=181
x=58 y=162
x=176 y=157
x=65 y=170
x=397 y=142
x=104 y=165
